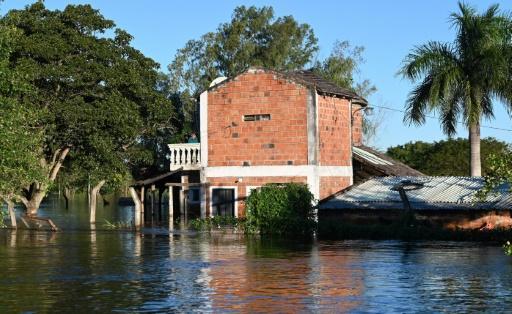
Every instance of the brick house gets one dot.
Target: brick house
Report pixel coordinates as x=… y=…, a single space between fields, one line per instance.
x=264 y=126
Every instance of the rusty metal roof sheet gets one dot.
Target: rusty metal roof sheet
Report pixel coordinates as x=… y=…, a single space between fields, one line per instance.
x=436 y=193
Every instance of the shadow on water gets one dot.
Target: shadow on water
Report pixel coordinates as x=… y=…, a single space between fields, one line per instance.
x=99 y=271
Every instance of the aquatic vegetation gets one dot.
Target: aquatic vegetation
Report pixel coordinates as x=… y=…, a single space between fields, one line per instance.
x=507 y=247
x=3 y=214
x=218 y=222
x=118 y=225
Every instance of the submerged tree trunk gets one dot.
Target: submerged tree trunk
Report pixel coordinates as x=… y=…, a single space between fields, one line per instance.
x=34 y=195
x=474 y=141
x=67 y=195
x=94 y=197
x=12 y=214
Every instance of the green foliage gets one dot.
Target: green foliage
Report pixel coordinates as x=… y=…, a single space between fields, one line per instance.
x=284 y=209
x=20 y=140
x=341 y=68
x=218 y=222
x=507 y=247
x=459 y=81
x=253 y=37
x=447 y=157
x=499 y=173
x=98 y=96
x=3 y=214
x=461 y=78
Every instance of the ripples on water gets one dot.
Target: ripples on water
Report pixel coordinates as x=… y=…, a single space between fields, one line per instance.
x=81 y=271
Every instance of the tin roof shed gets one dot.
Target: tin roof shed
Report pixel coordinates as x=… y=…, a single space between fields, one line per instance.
x=431 y=193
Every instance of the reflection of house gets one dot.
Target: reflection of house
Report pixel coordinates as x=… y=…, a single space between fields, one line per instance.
x=447 y=201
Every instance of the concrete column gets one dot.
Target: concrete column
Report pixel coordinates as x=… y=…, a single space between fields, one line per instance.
x=171 y=209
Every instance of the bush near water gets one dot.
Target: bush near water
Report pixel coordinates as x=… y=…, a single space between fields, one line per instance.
x=281 y=209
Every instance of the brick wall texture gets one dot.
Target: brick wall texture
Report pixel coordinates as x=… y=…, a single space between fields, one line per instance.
x=334 y=131
x=279 y=141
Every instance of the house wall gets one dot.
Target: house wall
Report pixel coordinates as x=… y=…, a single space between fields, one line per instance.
x=334 y=131
x=335 y=142
x=279 y=141
x=241 y=187
x=307 y=139
x=357 y=125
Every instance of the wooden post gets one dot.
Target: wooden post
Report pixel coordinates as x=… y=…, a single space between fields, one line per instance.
x=152 y=197
x=183 y=197
x=159 y=207
x=171 y=209
x=142 y=201
x=137 y=210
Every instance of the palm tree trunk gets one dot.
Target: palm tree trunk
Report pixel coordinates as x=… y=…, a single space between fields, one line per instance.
x=474 y=141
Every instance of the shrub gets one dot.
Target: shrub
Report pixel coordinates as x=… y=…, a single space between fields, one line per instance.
x=285 y=209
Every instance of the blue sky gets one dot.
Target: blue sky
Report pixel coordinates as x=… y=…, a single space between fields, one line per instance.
x=387 y=29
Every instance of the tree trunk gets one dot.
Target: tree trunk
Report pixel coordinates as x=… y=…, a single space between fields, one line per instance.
x=33 y=197
x=94 y=197
x=67 y=196
x=12 y=214
x=474 y=141
x=137 y=208
x=35 y=200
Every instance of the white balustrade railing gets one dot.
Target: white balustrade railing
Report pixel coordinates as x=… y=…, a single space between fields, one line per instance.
x=186 y=156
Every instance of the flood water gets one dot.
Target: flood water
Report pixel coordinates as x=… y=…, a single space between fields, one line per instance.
x=82 y=271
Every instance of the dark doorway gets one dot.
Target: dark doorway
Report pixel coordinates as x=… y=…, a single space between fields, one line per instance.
x=223 y=202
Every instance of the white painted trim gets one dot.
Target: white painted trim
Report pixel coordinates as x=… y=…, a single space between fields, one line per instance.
x=203 y=117
x=249 y=188
x=224 y=187
x=278 y=171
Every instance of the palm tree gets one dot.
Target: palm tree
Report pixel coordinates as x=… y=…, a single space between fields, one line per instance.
x=460 y=80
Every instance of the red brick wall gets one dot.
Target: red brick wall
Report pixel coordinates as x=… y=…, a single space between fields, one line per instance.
x=357 y=125
x=331 y=185
x=242 y=187
x=334 y=131
x=231 y=141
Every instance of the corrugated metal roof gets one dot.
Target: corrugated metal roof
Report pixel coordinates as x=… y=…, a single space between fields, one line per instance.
x=435 y=193
x=374 y=159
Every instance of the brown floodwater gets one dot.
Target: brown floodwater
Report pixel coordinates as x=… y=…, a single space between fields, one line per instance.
x=83 y=271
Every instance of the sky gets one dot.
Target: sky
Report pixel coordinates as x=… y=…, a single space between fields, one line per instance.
x=387 y=29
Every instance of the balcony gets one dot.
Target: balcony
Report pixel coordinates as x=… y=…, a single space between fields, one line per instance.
x=186 y=156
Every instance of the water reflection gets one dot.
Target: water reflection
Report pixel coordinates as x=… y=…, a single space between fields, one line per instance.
x=99 y=271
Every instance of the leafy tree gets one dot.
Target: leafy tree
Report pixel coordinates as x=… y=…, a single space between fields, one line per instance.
x=284 y=209
x=500 y=172
x=99 y=98
x=459 y=80
x=341 y=68
x=444 y=158
x=253 y=37
x=19 y=139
